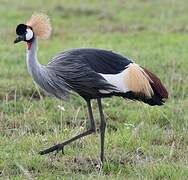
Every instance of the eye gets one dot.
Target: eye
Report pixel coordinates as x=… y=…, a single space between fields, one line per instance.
x=29 y=34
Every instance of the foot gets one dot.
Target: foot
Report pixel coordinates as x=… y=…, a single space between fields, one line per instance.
x=57 y=148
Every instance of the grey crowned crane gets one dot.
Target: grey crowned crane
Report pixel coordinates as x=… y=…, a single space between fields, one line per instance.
x=92 y=73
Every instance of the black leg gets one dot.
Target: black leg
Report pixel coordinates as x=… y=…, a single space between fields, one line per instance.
x=102 y=129
x=60 y=147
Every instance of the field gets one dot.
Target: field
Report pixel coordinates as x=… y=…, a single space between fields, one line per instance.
x=142 y=142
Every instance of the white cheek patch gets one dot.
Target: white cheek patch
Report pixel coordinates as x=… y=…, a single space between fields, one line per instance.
x=29 y=34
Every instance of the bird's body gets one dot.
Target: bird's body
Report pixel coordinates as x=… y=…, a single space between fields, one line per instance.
x=78 y=70
x=82 y=70
x=92 y=73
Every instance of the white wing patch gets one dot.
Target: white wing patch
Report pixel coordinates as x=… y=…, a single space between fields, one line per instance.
x=116 y=80
x=133 y=78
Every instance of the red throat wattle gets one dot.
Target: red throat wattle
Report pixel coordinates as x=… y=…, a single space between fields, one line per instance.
x=29 y=45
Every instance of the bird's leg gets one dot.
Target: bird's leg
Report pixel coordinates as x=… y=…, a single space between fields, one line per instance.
x=91 y=130
x=102 y=130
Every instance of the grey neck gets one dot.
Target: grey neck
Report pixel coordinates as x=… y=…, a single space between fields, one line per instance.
x=43 y=76
x=32 y=62
x=36 y=70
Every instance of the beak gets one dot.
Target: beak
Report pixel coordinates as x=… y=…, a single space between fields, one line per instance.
x=19 y=38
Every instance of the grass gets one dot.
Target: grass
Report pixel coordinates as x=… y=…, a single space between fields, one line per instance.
x=142 y=142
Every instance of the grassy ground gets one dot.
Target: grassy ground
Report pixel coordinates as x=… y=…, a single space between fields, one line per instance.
x=142 y=142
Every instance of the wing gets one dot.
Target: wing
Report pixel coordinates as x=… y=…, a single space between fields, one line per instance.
x=78 y=69
x=100 y=61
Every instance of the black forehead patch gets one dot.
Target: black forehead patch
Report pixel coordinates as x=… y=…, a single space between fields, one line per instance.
x=21 y=29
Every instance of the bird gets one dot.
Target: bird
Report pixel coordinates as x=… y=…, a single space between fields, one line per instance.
x=93 y=74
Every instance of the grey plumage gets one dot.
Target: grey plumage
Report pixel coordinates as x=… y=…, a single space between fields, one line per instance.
x=45 y=77
x=65 y=73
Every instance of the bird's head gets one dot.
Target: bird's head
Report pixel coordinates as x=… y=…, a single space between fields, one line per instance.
x=38 y=26
x=24 y=33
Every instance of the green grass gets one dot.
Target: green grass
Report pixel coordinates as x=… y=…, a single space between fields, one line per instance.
x=142 y=142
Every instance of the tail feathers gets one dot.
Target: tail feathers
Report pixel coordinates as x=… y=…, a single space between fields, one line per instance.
x=150 y=91
x=157 y=85
x=154 y=100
